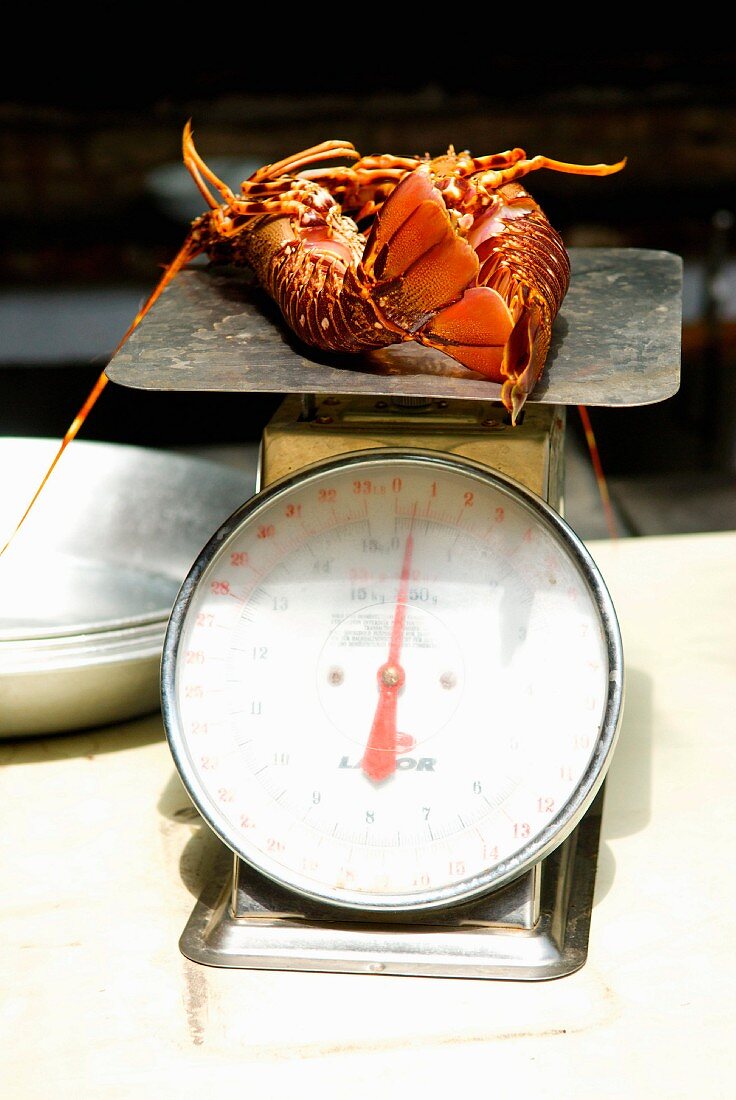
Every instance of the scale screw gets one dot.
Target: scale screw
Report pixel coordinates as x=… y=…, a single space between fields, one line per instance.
x=448 y=680
x=491 y=423
x=335 y=676
x=381 y=404
x=323 y=419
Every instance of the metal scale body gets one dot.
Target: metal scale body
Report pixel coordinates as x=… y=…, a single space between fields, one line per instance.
x=616 y=342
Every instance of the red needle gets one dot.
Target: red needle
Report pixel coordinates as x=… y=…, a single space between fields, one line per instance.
x=379 y=760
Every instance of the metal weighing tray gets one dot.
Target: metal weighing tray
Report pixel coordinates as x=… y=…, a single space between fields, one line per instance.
x=616 y=341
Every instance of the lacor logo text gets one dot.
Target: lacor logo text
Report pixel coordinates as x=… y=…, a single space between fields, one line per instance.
x=403 y=764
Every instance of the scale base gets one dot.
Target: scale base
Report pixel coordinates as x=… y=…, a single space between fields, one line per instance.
x=532 y=929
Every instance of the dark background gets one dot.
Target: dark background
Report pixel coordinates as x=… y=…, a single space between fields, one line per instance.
x=81 y=142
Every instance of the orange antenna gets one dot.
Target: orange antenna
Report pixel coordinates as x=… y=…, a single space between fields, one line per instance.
x=187 y=253
x=600 y=477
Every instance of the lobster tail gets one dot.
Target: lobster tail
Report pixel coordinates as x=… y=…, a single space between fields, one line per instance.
x=474 y=331
x=414 y=262
x=533 y=270
x=502 y=328
x=524 y=356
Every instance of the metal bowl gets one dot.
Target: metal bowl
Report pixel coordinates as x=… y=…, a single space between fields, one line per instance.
x=87 y=586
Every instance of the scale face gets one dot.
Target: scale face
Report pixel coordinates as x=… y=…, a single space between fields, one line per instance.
x=392 y=681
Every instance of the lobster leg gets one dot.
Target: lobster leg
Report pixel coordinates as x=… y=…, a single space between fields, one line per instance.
x=267 y=192
x=361 y=188
x=326 y=150
x=223 y=225
x=499 y=160
x=495 y=179
x=505 y=331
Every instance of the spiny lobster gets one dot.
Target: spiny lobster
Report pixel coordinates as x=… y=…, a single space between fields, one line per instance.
x=458 y=255
x=455 y=254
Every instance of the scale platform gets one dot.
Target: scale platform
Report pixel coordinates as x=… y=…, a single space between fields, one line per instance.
x=616 y=341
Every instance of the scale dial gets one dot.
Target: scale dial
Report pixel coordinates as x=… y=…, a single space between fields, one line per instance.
x=392 y=682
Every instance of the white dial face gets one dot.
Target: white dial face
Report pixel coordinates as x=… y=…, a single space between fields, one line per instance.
x=386 y=683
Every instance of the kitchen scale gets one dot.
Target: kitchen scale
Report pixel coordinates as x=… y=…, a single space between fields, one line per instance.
x=393 y=679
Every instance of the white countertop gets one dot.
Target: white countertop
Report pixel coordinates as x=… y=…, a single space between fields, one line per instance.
x=103 y=859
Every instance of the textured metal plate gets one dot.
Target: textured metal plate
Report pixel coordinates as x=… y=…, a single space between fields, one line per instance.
x=616 y=341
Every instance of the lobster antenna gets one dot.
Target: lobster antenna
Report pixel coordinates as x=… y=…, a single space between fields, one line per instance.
x=600 y=477
x=187 y=253
x=326 y=150
x=572 y=169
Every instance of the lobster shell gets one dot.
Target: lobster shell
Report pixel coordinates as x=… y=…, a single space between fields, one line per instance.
x=458 y=255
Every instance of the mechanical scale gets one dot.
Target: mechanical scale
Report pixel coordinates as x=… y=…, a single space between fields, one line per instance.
x=392 y=681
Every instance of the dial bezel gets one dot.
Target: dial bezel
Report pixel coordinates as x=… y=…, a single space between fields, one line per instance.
x=545 y=840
